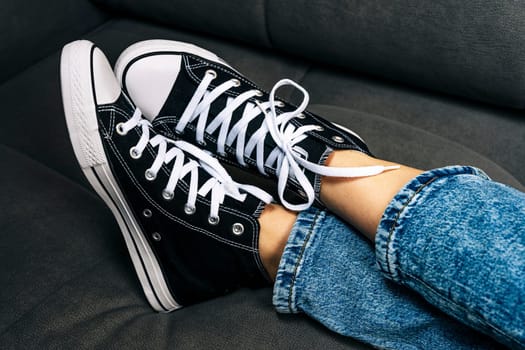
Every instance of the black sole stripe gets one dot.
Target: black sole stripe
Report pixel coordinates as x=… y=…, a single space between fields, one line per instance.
x=132 y=239
x=93 y=47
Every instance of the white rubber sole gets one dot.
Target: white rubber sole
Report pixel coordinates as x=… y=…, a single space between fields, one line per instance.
x=81 y=118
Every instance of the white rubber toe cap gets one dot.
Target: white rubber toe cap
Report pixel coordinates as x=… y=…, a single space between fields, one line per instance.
x=149 y=81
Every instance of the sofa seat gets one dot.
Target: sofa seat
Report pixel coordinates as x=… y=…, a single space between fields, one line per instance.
x=71 y=284
x=32 y=102
x=70 y=280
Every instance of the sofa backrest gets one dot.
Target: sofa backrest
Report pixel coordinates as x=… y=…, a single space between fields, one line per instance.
x=469 y=48
x=33 y=29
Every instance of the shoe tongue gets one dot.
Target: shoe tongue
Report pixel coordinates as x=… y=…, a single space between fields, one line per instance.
x=150 y=82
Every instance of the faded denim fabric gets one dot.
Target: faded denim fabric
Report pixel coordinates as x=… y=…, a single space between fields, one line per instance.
x=458 y=239
x=329 y=271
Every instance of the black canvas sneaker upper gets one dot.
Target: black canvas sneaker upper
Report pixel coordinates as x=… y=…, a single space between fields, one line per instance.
x=192 y=232
x=201 y=99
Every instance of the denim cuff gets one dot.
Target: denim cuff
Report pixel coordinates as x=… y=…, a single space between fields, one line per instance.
x=284 y=290
x=398 y=212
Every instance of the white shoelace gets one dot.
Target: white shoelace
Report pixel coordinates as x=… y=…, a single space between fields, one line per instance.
x=286 y=157
x=220 y=184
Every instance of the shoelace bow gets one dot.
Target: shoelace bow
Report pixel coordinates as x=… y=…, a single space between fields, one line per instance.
x=286 y=157
x=220 y=183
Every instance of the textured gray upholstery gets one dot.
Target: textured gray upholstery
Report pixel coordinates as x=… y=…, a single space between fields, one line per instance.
x=390 y=139
x=233 y=19
x=67 y=281
x=33 y=29
x=467 y=48
x=495 y=133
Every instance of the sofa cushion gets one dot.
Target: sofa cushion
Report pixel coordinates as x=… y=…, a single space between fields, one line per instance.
x=39 y=130
x=68 y=282
x=53 y=232
x=467 y=48
x=495 y=133
x=33 y=29
x=407 y=144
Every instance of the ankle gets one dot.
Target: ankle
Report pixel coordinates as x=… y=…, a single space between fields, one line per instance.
x=351 y=158
x=276 y=224
x=362 y=201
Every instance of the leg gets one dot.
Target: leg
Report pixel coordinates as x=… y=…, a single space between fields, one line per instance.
x=328 y=271
x=276 y=225
x=458 y=240
x=362 y=201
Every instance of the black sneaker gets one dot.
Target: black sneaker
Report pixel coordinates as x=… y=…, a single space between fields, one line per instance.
x=187 y=243
x=192 y=94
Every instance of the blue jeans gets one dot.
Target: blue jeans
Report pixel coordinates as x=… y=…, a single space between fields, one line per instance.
x=450 y=236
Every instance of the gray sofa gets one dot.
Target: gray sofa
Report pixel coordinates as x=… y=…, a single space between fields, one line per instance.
x=425 y=83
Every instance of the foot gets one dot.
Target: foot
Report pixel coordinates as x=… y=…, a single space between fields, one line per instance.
x=192 y=94
x=191 y=231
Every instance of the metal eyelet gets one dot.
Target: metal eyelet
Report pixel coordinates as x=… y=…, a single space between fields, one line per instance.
x=134 y=153
x=212 y=73
x=189 y=210
x=222 y=154
x=150 y=175
x=147 y=213
x=202 y=143
x=236 y=82
x=237 y=229
x=301 y=116
x=279 y=104
x=156 y=236
x=338 y=139
x=213 y=220
x=319 y=128
x=167 y=195
x=259 y=93
x=120 y=130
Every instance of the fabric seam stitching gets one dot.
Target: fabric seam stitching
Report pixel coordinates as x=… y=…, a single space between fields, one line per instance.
x=398 y=216
x=299 y=259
